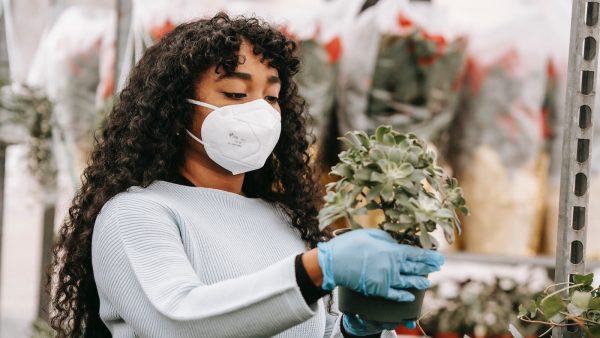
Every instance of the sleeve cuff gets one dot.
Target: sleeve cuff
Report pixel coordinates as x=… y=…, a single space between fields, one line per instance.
x=310 y=292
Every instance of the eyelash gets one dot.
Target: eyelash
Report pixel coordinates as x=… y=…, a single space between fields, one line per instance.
x=239 y=96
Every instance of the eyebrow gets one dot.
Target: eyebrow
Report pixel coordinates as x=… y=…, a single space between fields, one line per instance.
x=247 y=77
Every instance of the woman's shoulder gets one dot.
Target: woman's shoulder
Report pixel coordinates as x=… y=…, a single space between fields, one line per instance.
x=135 y=202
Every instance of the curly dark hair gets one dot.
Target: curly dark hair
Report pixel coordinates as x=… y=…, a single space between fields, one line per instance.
x=143 y=140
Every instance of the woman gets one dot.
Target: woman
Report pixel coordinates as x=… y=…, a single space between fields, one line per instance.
x=198 y=205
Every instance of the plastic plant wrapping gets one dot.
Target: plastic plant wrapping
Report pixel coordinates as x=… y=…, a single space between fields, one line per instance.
x=317 y=79
x=500 y=136
x=74 y=67
x=416 y=81
x=407 y=73
x=395 y=174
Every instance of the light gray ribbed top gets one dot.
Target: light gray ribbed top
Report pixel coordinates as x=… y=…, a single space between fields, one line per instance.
x=176 y=261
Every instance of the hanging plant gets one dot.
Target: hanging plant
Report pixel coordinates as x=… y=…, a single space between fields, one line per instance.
x=28 y=107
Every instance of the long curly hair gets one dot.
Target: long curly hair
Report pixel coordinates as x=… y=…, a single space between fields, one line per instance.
x=143 y=140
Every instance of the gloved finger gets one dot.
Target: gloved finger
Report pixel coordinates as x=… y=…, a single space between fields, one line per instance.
x=415 y=254
x=410 y=281
x=380 y=234
x=399 y=295
x=417 y=268
x=410 y=324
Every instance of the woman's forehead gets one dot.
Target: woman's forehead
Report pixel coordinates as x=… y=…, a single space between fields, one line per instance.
x=251 y=61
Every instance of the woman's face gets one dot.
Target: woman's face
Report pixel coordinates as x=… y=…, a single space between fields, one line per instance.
x=251 y=80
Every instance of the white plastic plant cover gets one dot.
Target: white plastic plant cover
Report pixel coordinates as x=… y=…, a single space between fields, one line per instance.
x=320 y=45
x=74 y=66
x=389 y=75
x=502 y=131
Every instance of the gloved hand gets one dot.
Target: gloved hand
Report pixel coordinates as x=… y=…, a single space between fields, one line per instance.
x=370 y=261
x=357 y=326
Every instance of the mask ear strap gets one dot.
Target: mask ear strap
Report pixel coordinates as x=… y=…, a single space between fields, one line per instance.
x=202 y=104
x=194 y=137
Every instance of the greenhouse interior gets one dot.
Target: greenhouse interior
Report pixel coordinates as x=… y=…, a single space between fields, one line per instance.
x=409 y=168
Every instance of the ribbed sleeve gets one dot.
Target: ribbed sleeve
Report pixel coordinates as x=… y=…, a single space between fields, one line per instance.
x=141 y=264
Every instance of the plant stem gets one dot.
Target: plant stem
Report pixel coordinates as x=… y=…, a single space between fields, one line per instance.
x=559 y=291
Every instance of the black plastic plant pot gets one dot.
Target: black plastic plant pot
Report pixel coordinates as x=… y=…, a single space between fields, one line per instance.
x=377 y=308
x=380 y=309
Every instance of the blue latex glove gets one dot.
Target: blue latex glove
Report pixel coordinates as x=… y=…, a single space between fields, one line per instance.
x=370 y=261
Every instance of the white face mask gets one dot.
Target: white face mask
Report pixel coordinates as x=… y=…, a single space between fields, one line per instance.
x=239 y=137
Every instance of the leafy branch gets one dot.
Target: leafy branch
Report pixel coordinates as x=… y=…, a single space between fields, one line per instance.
x=567 y=304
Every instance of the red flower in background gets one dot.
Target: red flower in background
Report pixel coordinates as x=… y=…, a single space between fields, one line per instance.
x=404 y=22
x=158 y=32
x=334 y=49
x=426 y=60
x=439 y=40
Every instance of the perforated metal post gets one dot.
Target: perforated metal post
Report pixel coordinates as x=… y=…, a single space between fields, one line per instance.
x=579 y=110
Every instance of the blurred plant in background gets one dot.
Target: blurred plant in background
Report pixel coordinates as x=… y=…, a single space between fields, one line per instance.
x=478 y=309
x=41 y=329
x=24 y=107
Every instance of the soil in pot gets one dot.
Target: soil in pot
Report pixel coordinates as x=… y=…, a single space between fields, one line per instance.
x=377 y=308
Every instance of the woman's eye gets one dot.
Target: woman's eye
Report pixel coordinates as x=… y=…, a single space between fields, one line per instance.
x=235 y=96
x=272 y=99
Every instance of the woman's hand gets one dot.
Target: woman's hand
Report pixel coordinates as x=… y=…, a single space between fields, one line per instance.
x=370 y=261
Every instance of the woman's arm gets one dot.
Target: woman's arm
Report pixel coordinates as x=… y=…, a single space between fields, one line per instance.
x=142 y=270
x=311 y=264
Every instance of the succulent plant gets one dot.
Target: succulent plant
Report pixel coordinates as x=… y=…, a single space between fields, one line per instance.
x=396 y=174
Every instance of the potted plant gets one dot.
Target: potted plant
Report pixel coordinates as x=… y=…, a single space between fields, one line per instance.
x=394 y=174
x=579 y=309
